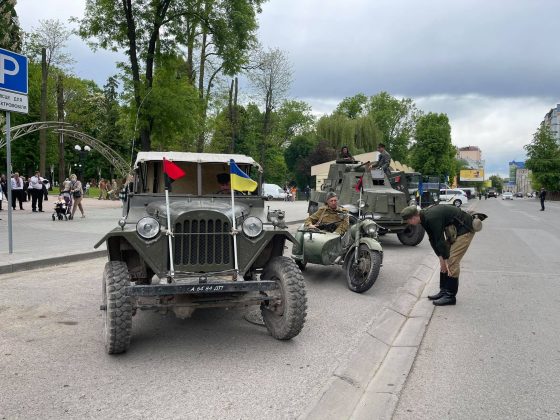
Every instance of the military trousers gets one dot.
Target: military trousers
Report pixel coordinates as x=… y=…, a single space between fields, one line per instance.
x=456 y=252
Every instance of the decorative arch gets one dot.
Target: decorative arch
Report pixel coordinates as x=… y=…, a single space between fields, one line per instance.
x=121 y=166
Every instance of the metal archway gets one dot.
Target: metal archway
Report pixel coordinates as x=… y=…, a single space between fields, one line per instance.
x=120 y=165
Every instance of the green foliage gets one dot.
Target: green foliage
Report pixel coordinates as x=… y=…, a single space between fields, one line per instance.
x=396 y=119
x=543 y=159
x=10 y=31
x=291 y=119
x=352 y=107
x=497 y=182
x=433 y=153
x=297 y=159
x=359 y=134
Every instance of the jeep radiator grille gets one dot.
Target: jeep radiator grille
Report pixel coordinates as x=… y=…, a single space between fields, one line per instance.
x=202 y=242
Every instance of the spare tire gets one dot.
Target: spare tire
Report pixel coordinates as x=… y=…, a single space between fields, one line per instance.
x=412 y=235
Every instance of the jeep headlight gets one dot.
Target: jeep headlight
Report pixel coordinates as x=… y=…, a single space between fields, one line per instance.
x=252 y=226
x=147 y=227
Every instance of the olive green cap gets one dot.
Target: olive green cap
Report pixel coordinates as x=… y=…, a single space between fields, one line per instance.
x=408 y=212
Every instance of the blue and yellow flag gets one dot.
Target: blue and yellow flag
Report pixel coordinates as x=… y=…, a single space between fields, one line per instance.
x=239 y=180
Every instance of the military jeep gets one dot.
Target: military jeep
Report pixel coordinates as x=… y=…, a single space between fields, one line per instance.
x=202 y=253
x=381 y=199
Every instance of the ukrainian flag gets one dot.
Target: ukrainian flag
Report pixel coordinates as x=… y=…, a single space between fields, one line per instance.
x=239 y=180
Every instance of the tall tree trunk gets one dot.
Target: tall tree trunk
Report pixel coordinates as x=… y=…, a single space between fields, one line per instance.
x=43 y=132
x=60 y=112
x=202 y=135
x=234 y=117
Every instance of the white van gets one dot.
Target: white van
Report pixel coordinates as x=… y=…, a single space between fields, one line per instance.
x=273 y=191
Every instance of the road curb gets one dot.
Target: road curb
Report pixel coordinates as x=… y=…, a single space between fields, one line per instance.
x=369 y=387
x=47 y=262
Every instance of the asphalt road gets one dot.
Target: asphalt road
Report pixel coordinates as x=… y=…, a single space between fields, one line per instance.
x=496 y=354
x=213 y=365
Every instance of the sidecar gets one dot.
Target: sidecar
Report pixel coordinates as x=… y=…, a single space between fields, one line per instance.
x=358 y=251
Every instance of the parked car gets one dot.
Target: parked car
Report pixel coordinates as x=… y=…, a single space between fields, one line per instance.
x=519 y=194
x=453 y=196
x=492 y=194
x=507 y=195
x=273 y=191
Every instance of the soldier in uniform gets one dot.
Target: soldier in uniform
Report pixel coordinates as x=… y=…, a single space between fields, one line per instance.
x=330 y=214
x=383 y=161
x=436 y=220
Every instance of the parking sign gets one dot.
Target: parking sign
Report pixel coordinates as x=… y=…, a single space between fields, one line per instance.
x=13 y=82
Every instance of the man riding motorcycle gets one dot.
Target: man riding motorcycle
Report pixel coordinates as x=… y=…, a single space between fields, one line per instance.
x=330 y=217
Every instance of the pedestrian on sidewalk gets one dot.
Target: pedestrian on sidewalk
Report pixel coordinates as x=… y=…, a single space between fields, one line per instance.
x=36 y=187
x=440 y=222
x=3 y=188
x=542 y=196
x=17 y=190
x=77 y=193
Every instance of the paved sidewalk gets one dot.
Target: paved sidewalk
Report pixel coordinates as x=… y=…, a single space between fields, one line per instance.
x=39 y=241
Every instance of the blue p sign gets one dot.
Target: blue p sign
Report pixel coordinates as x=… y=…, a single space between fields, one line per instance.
x=13 y=72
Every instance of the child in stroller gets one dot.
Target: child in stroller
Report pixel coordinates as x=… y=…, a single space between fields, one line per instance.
x=60 y=209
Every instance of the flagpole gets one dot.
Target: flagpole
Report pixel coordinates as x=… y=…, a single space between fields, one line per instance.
x=234 y=227
x=169 y=233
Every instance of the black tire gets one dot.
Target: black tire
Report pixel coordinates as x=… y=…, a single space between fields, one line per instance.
x=53 y=218
x=412 y=235
x=117 y=316
x=285 y=320
x=457 y=203
x=269 y=198
x=361 y=275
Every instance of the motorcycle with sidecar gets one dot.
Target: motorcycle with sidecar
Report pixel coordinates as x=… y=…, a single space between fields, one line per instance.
x=358 y=250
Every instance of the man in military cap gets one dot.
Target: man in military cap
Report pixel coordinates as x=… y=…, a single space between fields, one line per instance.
x=329 y=217
x=440 y=221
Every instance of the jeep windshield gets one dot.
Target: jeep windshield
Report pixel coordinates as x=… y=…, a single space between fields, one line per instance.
x=204 y=172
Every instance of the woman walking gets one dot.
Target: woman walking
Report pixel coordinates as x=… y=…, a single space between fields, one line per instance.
x=77 y=195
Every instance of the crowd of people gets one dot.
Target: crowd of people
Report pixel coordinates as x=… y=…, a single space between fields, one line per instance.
x=35 y=189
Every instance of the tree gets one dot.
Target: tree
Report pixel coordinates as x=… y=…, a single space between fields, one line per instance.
x=543 y=159
x=135 y=27
x=221 y=33
x=10 y=31
x=271 y=78
x=297 y=160
x=433 y=153
x=497 y=182
x=396 y=120
x=291 y=119
x=48 y=42
x=352 y=107
x=359 y=134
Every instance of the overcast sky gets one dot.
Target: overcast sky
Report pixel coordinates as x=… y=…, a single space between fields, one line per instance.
x=491 y=66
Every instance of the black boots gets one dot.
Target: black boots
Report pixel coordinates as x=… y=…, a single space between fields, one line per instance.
x=449 y=292
x=442 y=284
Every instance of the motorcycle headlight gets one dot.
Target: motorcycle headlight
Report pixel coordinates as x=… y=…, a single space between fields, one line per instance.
x=252 y=226
x=147 y=227
x=369 y=227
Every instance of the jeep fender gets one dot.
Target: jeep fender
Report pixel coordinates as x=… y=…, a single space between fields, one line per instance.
x=121 y=241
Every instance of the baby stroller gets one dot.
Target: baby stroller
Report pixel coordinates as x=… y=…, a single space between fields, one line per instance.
x=62 y=209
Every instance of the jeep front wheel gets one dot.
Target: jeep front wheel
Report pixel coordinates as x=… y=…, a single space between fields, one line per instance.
x=117 y=307
x=412 y=235
x=285 y=314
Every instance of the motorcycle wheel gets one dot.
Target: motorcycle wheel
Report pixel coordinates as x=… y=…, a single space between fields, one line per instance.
x=361 y=275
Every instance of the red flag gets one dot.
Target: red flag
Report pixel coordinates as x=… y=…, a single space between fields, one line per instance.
x=172 y=170
x=359 y=184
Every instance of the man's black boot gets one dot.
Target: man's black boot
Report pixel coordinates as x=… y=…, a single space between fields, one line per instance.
x=450 y=292
x=442 y=286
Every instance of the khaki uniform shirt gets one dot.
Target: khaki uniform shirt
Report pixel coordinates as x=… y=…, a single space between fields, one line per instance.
x=326 y=215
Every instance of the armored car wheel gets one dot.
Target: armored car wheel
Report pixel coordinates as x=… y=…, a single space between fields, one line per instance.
x=117 y=307
x=363 y=273
x=412 y=235
x=284 y=319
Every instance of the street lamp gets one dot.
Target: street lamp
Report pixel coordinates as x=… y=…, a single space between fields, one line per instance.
x=82 y=153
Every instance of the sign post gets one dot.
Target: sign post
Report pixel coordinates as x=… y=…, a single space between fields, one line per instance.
x=13 y=97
